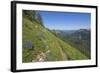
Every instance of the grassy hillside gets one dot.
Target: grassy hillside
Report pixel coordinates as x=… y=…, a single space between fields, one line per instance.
x=45 y=45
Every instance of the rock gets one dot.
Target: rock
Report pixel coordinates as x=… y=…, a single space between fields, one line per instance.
x=45 y=46
x=48 y=51
x=41 y=35
x=41 y=59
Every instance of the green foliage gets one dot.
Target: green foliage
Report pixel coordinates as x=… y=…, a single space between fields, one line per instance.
x=33 y=16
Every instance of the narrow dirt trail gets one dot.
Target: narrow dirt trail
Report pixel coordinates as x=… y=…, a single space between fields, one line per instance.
x=64 y=57
x=63 y=54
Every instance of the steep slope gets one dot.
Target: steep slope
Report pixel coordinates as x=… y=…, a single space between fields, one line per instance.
x=44 y=45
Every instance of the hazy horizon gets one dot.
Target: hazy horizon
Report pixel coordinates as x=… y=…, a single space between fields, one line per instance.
x=70 y=29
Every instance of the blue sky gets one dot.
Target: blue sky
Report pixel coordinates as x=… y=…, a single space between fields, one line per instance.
x=66 y=20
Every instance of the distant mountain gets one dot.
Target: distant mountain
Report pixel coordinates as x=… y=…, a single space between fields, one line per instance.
x=63 y=32
x=83 y=33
